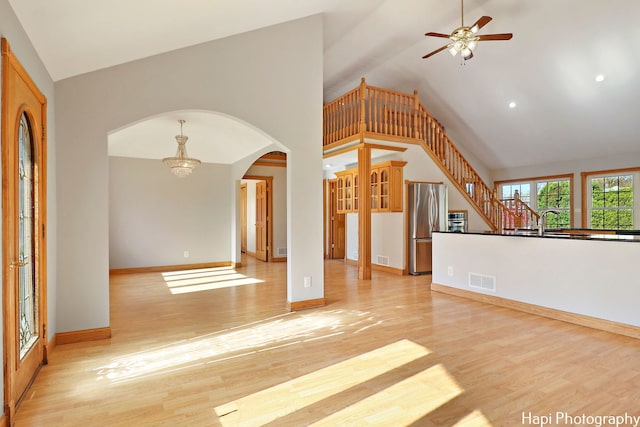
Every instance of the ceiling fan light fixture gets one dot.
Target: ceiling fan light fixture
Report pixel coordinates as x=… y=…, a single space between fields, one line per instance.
x=464 y=39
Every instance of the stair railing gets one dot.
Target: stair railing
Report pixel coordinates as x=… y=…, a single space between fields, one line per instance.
x=375 y=112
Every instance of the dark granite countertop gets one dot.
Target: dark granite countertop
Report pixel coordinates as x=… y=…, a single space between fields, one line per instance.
x=572 y=233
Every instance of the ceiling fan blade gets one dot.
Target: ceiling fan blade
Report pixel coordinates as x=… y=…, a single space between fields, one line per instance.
x=444 y=36
x=435 y=51
x=485 y=37
x=484 y=20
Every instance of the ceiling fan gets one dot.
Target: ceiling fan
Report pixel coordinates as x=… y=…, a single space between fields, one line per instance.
x=464 y=39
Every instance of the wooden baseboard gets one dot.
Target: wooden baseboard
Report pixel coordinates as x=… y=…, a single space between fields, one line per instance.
x=279 y=259
x=303 y=305
x=158 y=269
x=387 y=269
x=81 y=336
x=379 y=267
x=552 y=313
x=253 y=254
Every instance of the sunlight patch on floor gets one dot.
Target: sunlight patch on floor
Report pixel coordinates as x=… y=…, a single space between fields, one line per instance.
x=201 y=272
x=474 y=419
x=279 y=401
x=401 y=404
x=266 y=335
x=206 y=279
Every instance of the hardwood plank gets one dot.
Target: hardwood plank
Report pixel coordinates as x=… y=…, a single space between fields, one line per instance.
x=189 y=358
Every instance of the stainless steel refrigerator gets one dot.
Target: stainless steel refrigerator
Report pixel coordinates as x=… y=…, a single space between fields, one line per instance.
x=427 y=213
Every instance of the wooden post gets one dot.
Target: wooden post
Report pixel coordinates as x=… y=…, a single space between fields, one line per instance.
x=416 y=109
x=363 y=106
x=364 y=213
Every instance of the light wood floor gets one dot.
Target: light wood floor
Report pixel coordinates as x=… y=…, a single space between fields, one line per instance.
x=383 y=352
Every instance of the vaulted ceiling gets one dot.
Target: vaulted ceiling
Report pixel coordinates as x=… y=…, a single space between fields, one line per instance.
x=548 y=69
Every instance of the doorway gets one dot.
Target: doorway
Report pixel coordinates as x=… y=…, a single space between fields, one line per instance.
x=337 y=225
x=263 y=236
x=24 y=210
x=243 y=219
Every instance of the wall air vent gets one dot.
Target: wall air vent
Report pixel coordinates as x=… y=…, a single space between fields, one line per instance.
x=382 y=260
x=482 y=282
x=282 y=251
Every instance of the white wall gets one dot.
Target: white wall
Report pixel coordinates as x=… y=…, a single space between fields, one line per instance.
x=279 y=196
x=589 y=277
x=240 y=76
x=21 y=47
x=154 y=216
x=575 y=167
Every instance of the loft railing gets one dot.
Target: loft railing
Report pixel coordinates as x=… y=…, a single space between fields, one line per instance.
x=379 y=113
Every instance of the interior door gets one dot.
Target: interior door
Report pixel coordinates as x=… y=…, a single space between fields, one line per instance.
x=23 y=227
x=261 y=221
x=337 y=226
x=243 y=220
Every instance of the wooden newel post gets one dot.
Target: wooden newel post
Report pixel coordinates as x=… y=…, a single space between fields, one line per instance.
x=363 y=103
x=416 y=110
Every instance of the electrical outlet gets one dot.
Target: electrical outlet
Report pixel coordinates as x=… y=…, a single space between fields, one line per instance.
x=307 y=281
x=186 y=254
x=450 y=271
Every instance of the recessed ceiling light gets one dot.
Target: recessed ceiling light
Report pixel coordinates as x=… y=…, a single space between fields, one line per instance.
x=327 y=166
x=512 y=104
x=599 y=78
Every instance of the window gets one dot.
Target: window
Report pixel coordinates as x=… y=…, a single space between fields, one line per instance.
x=611 y=200
x=541 y=194
x=555 y=194
x=522 y=189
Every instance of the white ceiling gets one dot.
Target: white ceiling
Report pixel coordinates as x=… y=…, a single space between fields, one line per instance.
x=154 y=138
x=548 y=68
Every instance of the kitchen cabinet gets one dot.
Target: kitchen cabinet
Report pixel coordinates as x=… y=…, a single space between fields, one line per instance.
x=385 y=180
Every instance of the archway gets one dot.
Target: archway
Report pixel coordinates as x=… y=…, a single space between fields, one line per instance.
x=177 y=221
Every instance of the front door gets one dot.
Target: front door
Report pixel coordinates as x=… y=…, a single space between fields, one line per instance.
x=23 y=227
x=261 y=221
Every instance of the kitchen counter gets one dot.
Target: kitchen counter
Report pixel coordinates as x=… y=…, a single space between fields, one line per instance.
x=588 y=277
x=570 y=233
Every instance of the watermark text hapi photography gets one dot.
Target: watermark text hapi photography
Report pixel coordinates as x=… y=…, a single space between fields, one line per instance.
x=561 y=418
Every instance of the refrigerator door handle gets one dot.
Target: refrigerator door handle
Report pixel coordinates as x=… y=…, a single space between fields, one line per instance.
x=433 y=209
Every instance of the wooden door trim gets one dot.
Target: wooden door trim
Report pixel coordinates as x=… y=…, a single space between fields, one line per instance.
x=11 y=67
x=325 y=208
x=243 y=218
x=269 y=180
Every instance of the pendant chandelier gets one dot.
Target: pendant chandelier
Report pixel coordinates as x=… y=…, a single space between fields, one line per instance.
x=181 y=165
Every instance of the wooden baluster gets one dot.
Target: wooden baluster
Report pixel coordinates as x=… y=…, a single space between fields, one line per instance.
x=395 y=115
x=405 y=116
x=373 y=117
x=354 y=112
x=401 y=112
x=385 y=118
x=416 y=111
x=363 y=96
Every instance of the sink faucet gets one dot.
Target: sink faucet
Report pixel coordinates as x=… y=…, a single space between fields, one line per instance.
x=542 y=219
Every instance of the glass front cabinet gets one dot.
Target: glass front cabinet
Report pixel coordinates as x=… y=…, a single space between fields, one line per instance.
x=386 y=180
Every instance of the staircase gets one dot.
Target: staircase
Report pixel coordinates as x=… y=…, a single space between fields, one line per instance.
x=375 y=113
